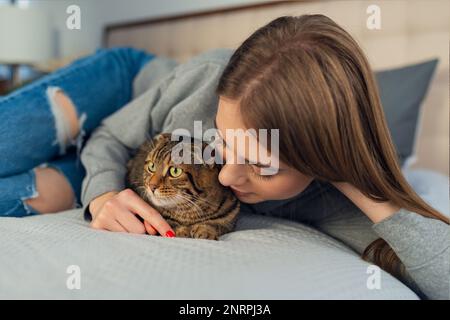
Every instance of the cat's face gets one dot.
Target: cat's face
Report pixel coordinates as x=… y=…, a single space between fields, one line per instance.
x=168 y=184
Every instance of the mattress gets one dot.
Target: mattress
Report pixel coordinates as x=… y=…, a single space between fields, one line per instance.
x=58 y=256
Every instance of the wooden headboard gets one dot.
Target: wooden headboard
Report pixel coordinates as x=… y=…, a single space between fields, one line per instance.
x=411 y=31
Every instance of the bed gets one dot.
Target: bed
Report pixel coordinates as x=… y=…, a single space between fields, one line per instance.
x=59 y=256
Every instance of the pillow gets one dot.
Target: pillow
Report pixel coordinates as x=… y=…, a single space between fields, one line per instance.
x=431 y=186
x=402 y=91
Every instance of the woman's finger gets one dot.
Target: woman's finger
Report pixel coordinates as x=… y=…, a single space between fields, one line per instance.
x=150 y=229
x=143 y=209
x=115 y=226
x=130 y=222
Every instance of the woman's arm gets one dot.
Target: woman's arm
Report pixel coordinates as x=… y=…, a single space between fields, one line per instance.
x=421 y=243
x=186 y=94
x=109 y=148
x=376 y=211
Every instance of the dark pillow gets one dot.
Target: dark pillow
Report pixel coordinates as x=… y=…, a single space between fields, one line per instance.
x=402 y=91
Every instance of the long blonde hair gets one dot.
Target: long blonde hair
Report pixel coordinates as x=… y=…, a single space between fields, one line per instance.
x=308 y=77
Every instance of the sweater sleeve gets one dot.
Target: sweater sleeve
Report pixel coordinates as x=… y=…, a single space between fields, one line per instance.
x=422 y=244
x=186 y=94
x=109 y=147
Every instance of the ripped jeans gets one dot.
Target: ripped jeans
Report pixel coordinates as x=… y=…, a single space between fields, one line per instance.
x=33 y=130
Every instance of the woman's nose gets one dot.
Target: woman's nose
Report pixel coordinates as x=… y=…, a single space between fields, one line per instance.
x=232 y=174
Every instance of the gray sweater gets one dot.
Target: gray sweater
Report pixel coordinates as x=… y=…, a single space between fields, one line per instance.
x=168 y=95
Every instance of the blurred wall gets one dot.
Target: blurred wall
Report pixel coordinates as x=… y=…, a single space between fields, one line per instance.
x=95 y=14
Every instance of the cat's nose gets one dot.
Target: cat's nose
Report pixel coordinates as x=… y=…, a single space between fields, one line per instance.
x=152 y=187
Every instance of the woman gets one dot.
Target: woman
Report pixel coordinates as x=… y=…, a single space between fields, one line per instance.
x=338 y=168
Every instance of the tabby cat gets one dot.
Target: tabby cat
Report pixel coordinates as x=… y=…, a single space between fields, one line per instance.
x=188 y=196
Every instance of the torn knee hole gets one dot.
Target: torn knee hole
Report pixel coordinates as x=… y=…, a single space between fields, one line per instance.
x=63 y=107
x=67 y=124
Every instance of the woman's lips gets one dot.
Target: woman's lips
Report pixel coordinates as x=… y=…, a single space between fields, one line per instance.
x=240 y=193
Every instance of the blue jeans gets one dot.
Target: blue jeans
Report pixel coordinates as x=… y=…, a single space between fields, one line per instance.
x=33 y=129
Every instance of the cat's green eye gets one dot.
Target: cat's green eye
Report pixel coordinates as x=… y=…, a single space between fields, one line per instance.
x=151 y=166
x=175 y=172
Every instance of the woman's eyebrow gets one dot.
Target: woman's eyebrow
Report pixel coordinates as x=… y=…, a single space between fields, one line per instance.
x=258 y=164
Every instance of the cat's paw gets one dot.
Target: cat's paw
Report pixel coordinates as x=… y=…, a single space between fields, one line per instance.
x=204 y=231
x=182 y=231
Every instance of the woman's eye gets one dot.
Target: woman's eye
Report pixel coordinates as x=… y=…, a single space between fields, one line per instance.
x=151 y=167
x=175 y=172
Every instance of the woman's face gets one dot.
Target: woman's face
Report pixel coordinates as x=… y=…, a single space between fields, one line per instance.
x=245 y=179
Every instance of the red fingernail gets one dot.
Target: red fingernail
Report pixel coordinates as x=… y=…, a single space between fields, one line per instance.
x=170 y=234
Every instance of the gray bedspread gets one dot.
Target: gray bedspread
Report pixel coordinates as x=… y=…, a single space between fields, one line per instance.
x=264 y=258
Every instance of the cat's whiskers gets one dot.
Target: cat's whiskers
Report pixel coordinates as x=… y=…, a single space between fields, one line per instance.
x=196 y=207
x=204 y=201
x=165 y=202
x=171 y=198
x=197 y=210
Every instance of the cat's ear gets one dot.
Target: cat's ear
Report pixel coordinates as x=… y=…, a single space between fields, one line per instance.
x=209 y=156
x=199 y=157
x=165 y=137
x=210 y=165
x=197 y=154
x=159 y=138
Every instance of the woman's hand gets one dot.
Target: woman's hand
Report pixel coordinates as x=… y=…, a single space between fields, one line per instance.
x=116 y=211
x=376 y=211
